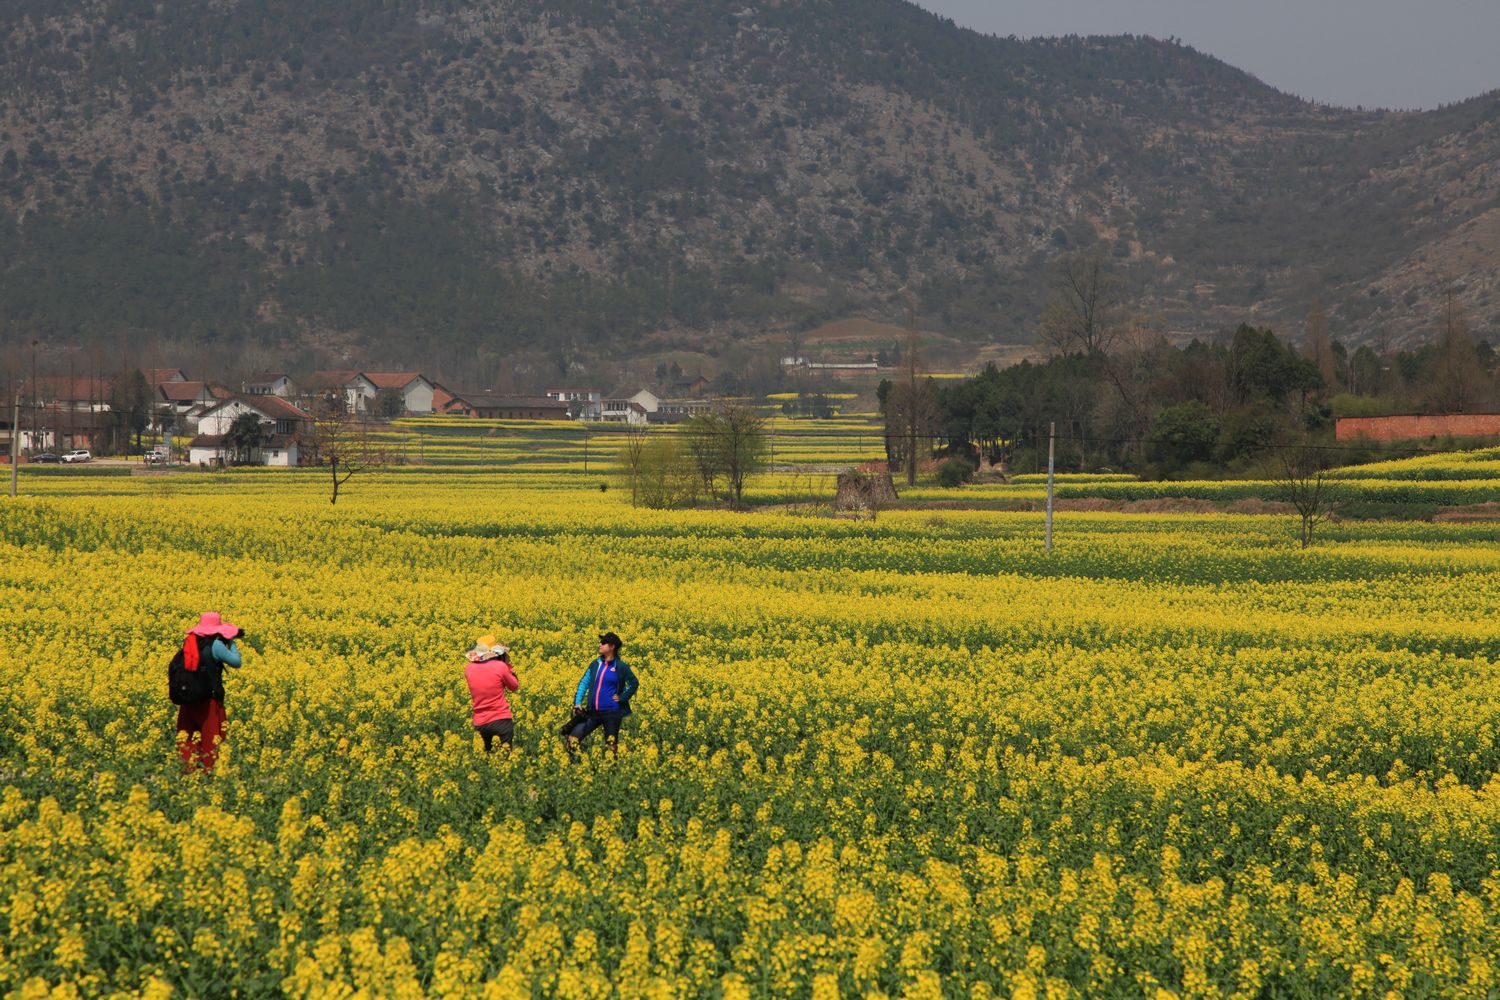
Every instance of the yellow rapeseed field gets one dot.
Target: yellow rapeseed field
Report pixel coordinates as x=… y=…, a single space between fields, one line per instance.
x=915 y=756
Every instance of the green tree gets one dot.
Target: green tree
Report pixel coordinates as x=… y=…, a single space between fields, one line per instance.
x=735 y=444
x=1182 y=434
x=388 y=404
x=245 y=436
x=666 y=475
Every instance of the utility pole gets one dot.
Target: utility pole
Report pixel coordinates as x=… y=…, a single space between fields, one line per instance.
x=32 y=401
x=1051 y=445
x=911 y=391
x=15 y=441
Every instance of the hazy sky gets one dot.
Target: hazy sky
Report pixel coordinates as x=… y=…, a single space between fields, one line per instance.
x=1379 y=53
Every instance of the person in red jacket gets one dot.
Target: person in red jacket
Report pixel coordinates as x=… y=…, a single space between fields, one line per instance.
x=490 y=678
x=208 y=646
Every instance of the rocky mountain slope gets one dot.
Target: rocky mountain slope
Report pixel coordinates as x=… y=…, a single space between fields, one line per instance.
x=455 y=178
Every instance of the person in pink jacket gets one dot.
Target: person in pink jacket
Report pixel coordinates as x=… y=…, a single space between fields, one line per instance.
x=490 y=678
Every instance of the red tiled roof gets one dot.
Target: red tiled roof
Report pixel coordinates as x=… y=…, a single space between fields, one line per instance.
x=180 y=392
x=273 y=407
x=330 y=380
x=156 y=376
x=63 y=388
x=391 y=380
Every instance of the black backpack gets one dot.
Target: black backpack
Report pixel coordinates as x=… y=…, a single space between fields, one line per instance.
x=190 y=687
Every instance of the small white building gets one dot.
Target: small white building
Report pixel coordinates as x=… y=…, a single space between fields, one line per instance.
x=622 y=411
x=269 y=384
x=281 y=422
x=584 y=404
x=351 y=386
x=358 y=389
x=415 y=389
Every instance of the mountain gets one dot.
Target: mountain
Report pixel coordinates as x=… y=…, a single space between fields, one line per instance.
x=456 y=179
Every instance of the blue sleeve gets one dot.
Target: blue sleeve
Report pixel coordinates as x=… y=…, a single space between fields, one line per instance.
x=225 y=653
x=582 y=693
x=632 y=683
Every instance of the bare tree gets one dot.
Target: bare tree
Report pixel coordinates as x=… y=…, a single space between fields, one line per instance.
x=1318 y=348
x=631 y=457
x=1457 y=381
x=740 y=434
x=703 y=450
x=341 y=442
x=1082 y=313
x=1302 y=480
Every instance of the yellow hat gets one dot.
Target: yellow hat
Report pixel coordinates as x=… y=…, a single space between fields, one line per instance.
x=487 y=647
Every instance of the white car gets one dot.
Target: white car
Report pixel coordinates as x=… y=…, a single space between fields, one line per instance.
x=156 y=456
x=77 y=455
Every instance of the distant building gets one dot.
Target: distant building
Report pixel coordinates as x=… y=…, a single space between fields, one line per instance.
x=623 y=411
x=676 y=411
x=358 y=388
x=646 y=407
x=352 y=387
x=187 y=401
x=441 y=397
x=415 y=389
x=693 y=388
x=830 y=367
x=283 y=424
x=583 y=404
x=68 y=393
x=156 y=376
x=269 y=384
x=496 y=407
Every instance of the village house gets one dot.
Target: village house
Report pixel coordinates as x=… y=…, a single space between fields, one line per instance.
x=646 y=407
x=185 y=401
x=156 y=376
x=269 y=384
x=282 y=423
x=415 y=389
x=60 y=413
x=441 y=397
x=66 y=392
x=359 y=388
x=692 y=388
x=583 y=404
x=634 y=409
x=676 y=411
x=352 y=387
x=835 y=368
x=495 y=407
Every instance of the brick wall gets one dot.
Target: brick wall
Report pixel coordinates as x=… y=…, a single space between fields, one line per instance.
x=1408 y=428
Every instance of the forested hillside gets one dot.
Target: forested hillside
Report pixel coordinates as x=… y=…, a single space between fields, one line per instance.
x=440 y=178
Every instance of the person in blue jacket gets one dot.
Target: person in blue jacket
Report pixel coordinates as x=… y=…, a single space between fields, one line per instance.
x=603 y=696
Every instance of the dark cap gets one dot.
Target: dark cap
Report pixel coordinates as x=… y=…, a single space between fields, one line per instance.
x=612 y=639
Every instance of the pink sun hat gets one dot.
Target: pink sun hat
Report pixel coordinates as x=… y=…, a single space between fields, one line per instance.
x=209 y=623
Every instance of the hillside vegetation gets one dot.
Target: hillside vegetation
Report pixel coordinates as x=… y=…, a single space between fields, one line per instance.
x=441 y=178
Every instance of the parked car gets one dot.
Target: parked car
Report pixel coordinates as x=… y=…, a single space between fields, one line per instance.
x=77 y=455
x=157 y=456
x=46 y=458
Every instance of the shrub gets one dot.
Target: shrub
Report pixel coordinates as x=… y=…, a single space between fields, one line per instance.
x=954 y=472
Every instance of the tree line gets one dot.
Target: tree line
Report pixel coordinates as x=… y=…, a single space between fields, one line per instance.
x=1125 y=399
